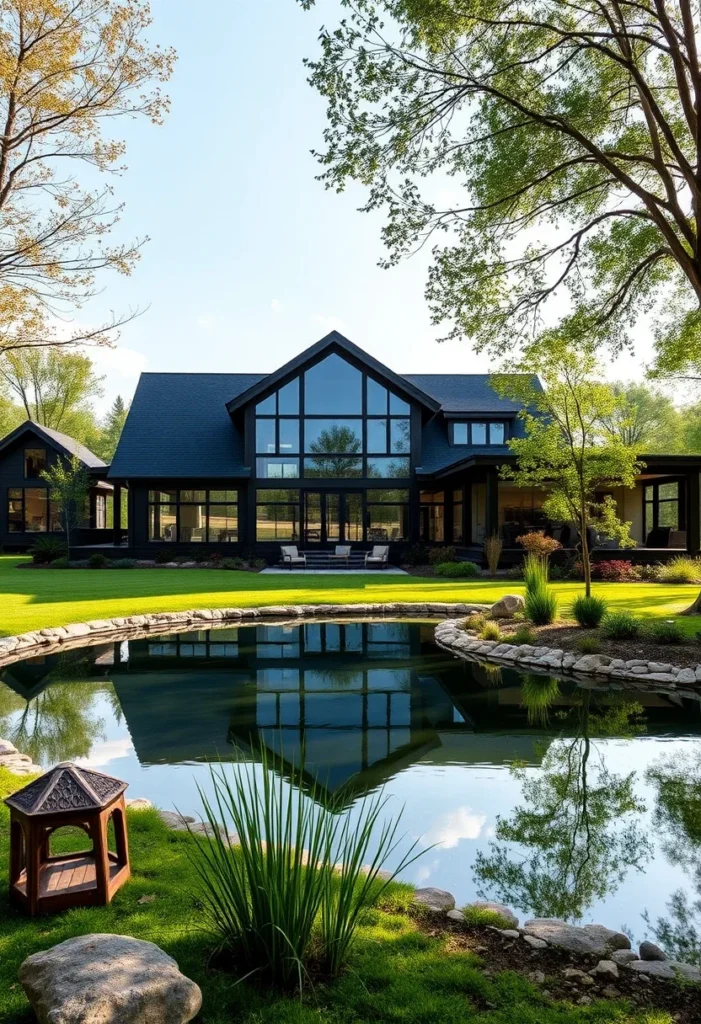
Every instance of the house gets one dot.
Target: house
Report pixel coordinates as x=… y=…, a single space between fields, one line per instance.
x=26 y=508
x=335 y=447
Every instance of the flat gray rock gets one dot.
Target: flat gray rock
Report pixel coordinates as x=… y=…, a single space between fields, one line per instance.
x=589 y=939
x=623 y=956
x=108 y=979
x=535 y=943
x=507 y=606
x=497 y=908
x=605 y=969
x=435 y=899
x=666 y=969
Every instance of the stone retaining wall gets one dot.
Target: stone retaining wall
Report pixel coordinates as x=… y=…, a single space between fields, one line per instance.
x=48 y=641
x=553 y=661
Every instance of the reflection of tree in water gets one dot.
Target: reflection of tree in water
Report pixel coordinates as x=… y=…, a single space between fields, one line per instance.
x=678 y=814
x=58 y=724
x=578 y=822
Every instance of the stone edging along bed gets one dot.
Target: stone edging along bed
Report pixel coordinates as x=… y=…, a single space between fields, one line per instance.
x=48 y=641
x=553 y=661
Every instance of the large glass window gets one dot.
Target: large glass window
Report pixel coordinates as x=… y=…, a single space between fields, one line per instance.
x=277 y=515
x=387 y=515
x=193 y=516
x=333 y=387
x=34 y=462
x=329 y=396
x=29 y=510
x=432 y=506
x=663 y=506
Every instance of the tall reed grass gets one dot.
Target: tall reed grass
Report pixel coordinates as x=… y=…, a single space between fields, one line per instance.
x=293 y=883
x=541 y=602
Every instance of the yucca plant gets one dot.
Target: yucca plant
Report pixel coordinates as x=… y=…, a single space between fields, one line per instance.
x=588 y=611
x=294 y=877
x=541 y=602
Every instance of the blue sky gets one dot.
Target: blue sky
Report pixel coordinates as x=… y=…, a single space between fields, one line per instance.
x=250 y=258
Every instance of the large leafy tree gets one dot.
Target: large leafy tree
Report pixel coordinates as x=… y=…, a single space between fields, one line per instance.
x=68 y=68
x=565 y=449
x=645 y=418
x=547 y=149
x=49 y=384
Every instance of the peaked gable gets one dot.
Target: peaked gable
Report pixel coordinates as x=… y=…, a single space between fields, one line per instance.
x=63 y=443
x=334 y=342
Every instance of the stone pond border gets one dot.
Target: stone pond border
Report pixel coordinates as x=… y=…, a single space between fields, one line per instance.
x=553 y=661
x=130 y=627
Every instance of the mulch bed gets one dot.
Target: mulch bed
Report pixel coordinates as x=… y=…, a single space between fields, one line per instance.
x=566 y=637
x=501 y=954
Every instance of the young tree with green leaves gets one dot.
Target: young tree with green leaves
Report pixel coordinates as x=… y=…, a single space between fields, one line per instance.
x=49 y=384
x=565 y=451
x=547 y=151
x=69 y=485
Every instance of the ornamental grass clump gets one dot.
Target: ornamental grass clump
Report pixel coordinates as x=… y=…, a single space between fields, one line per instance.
x=491 y=631
x=667 y=631
x=541 y=602
x=589 y=611
x=492 y=552
x=620 y=626
x=293 y=883
x=680 y=569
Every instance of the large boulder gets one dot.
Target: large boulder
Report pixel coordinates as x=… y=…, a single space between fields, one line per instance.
x=592 y=938
x=497 y=908
x=649 y=951
x=668 y=970
x=108 y=979
x=435 y=899
x=507 y=606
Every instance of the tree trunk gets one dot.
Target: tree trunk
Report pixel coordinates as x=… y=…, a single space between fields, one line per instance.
x=694 y=609
x=586 y=561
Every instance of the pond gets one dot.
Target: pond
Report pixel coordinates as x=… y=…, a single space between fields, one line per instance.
x=559 y=800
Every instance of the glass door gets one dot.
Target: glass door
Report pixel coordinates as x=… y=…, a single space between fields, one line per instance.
x=353 y=517
x=313 y=525
x=322 y=517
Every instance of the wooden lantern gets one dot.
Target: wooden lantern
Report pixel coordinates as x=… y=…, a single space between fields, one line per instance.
x=67 y=795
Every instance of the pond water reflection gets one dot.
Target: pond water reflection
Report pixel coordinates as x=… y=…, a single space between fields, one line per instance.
x=557 y=799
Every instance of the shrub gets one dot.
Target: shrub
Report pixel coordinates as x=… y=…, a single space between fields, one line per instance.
x=492 y=552
x=588 y=645
x=273 y=896
x=162 y=555
x=123 y=563
x=538 y=544
x=417 y=554
x=617 y=570
x=59 y=563
x=541 y=606
x=666 y=631
x=98 y=561
x=620 y=626
x=457 y=569
x=48 y=549
x=535 y=572
x=475 y=621
x=258 y=563
x=444 y=554
x=523 y=635
x=231 y=563
x=680 y=569
x=515 y=572
x=650 y=573
x=589 y=611
x=490 y=631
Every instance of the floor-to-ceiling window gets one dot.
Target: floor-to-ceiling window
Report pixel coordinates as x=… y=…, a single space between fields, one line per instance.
x=193 y=516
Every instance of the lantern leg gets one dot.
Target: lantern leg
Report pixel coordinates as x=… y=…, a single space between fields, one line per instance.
x=17 y=848
x=102 y=861
x=33 y=860
x=120 y=834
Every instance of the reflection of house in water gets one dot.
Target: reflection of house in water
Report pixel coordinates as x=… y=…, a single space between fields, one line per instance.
x=366 y=699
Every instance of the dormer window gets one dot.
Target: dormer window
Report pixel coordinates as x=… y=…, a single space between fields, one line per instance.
x=34 y=462
x=478 y=434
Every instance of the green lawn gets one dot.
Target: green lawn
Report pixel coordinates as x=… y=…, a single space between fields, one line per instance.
x=35 y=598
x=399 y=975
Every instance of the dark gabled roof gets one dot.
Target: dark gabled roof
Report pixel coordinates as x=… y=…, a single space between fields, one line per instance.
x=466 y=392
x=178 y=426
x=68 y=445
x=335 y=342
x=69 y=788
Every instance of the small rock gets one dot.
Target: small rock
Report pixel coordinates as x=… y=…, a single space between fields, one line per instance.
x=7 y=748
x=537 y=977
x=584 y=1000
x=605 y=969
x=611 y=992
x=97 y=978
x=623 y=956
x=649 y=951
x=534 y=942
x=581 y=977
x=509 y=933
x=507 y=606
x=455 y=915
x=436 y=900
x=139 y=803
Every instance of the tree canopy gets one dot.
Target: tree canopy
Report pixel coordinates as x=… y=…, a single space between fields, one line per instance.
x=547 y=152
x=68 y=68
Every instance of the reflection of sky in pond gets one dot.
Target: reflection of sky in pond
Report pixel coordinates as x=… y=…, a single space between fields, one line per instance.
x=379 y=706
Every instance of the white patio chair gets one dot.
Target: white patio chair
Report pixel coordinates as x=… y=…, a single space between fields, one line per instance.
x=378 y=558
x=291 y=556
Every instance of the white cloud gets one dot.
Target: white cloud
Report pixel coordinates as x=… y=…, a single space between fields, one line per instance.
x=104 y=753
x=449 y=829
x=276 y=306
x=207 y=321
